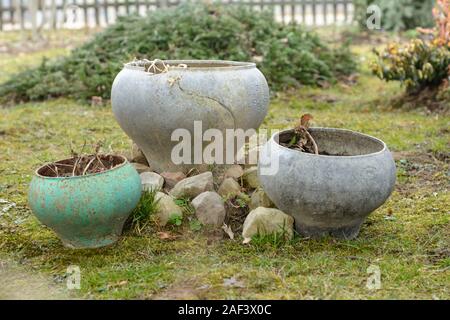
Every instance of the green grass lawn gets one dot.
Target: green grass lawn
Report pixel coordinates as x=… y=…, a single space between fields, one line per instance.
x=408 y=238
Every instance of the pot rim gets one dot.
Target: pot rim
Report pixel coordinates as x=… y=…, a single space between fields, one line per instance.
x=222 y=65
x=36 y=172
x=383 y=144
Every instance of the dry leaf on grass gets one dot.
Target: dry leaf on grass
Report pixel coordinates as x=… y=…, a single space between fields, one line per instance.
x=166 y=236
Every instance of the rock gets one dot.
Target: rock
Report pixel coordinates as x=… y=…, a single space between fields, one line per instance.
x=235 y=172
x=251 y=177
x=166 y=208
x=209 y=208
x=141 y=167
x=260 y=199
x=172 y=178
x=218 y=172
x=193 y=186
x=137 y=155
x=265 y=221
x=151 y=181
x=229 y=188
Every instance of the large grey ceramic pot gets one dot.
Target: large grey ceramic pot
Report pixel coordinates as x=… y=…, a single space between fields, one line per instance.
x=151 y=106
x=329 y=194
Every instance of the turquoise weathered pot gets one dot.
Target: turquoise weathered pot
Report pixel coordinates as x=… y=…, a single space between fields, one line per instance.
x=86 y=211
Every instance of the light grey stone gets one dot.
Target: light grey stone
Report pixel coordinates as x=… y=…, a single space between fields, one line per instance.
x=193 y=186
x=265 y=221
x=209 y=208
x=329 y=194
x=166 y=208
x=151 y=181
x=221 y=94
x=260 y=199
x=235 y=171
x=229 y=188
x=251 y=177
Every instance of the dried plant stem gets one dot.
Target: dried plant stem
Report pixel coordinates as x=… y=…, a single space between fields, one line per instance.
x=75 y=165
x=81 y=164
x=311 y=139
x=78 y=159
x=55 y=172
x=100 y=161
x=63 y=165
x=301 y=137
x=153 y=68
x=88 y=165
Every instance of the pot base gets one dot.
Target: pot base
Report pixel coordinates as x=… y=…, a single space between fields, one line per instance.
x=345 y=232
x=89 y=243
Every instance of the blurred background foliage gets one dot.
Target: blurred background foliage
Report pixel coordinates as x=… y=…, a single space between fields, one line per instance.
x=288 y=55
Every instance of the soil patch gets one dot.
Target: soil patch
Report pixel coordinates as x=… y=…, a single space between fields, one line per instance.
x=18 y=283
x=81 y=165
x=421 y=170
x=186 y=290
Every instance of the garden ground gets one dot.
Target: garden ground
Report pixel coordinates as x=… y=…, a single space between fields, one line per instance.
x=408 y=238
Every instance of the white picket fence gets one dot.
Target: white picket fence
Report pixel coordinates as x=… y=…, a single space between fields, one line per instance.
x=38 y=14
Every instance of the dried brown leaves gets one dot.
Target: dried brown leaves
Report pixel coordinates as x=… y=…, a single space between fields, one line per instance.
x=301 y=139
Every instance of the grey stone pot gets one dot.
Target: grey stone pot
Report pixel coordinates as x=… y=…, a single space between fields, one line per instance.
x=221 y=94
x=329 y=194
